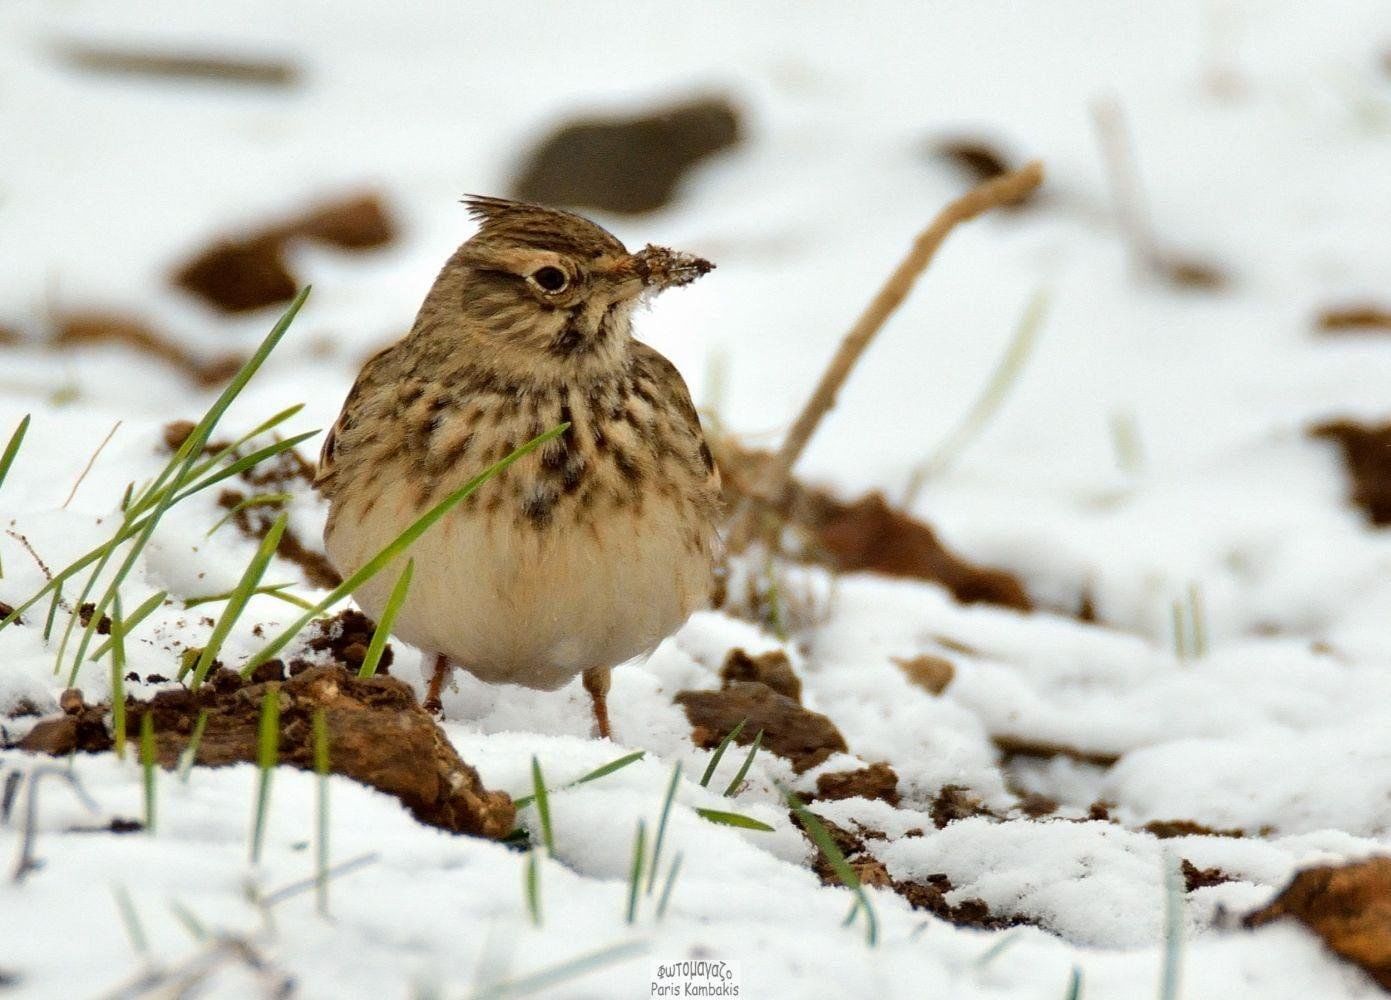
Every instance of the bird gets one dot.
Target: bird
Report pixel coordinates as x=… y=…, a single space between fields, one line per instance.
x=581 y=555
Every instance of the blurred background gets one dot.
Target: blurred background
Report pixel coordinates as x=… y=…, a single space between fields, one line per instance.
x=1204 y=277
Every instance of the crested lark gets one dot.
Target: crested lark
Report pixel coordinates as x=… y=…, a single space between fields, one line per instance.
x=581 y=555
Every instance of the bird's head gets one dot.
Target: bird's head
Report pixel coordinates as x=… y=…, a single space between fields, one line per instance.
x=543 y=290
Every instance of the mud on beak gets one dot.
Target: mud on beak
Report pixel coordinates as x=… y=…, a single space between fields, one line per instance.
x=654 y=269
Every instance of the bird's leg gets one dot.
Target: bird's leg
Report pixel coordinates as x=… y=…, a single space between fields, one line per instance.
x=596 y=682
x=432 y=694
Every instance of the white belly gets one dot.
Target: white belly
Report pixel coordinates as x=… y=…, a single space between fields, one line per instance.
x=510 y=603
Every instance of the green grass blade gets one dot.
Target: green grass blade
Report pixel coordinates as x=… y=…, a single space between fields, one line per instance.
x=221 y=455
x=987 y=404
x=267 y=756
x=400 y=544
x=118 y=683
x=379 y=635
x=190 y=755
x=276 y=590
x=1074 y=984
x=662 y=827
x=321 y=769
x=12 y=449
x=744 y=767
x=236 y=604
x=667 y=886
x=533 y=888
x=729 y=738
x=136 y=617
x=131 y=921
x=1171 y=972
x=188 y=920
x=190 y=450
x=827 y=846
x=635 y=875
x=255 y=500
x=543 y=806
x=147 y=763
x=598 y=772
x=734 y=819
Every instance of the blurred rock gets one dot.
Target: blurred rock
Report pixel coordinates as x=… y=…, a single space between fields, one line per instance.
x=977 y=160
x=1358 y=318
x=772 y=668
x=247 y=272
x=1348 y=906
x=1366 y=452
x=931 y=673
x=628 y=165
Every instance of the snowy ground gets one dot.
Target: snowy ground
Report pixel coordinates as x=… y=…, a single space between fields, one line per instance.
x=1280 y=728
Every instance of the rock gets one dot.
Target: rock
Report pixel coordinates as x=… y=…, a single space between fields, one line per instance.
x=931 y=673
x=772 y=668
x=1366 y=452
x=626 y=164
x=1348 y=906
x=805 y=738
x=878 y=781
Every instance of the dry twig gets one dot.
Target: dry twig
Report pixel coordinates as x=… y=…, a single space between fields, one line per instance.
x=1004 y=190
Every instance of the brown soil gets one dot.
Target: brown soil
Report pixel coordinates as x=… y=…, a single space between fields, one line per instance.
x=772 y=668
x=931 y=673
x=201 y=66
x=1359 y=318
x=1018 y=746
x=1167 y=829
x=878 y=781
x=805 y=738
x=1202 y=878
x=83 y=328
x=1367 y=457
x=249 y=271
x=84 y=615
x=929 y=894
x=953 y=802
x=345 y=637
x=1348 y=906
x=378 y=735
x=626 y=164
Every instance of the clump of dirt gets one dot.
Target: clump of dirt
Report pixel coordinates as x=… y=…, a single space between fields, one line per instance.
x=6 y=610
x=9 y=336
x=1359 y=318
x=84 y=615
x=255 y=521
x=626 y=164
x=1348 y=906
x=929 y=894
x=978 y=160
x=878 y=781
x=80 y=329
x=1167 y=829
x=176 y=432
x=1367 y=457
x=378 y=735
x=1195 y=878
x=772 y=668
x=804 y=737
x=954 y=802
x=345 y=637
x=1019 y=746
x=249 y=271
x=931 y=673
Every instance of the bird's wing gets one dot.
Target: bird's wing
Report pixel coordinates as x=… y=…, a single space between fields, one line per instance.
x=670 y=385
x=367 y=379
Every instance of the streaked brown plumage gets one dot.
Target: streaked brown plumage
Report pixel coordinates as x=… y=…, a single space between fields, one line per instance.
x=579 y=556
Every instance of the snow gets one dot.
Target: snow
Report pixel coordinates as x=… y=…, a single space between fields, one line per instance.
x=1279 y=729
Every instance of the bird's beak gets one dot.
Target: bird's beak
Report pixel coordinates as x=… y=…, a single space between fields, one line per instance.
x=653 y=269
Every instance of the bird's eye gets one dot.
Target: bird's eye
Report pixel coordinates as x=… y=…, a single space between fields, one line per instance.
x=551 y=279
